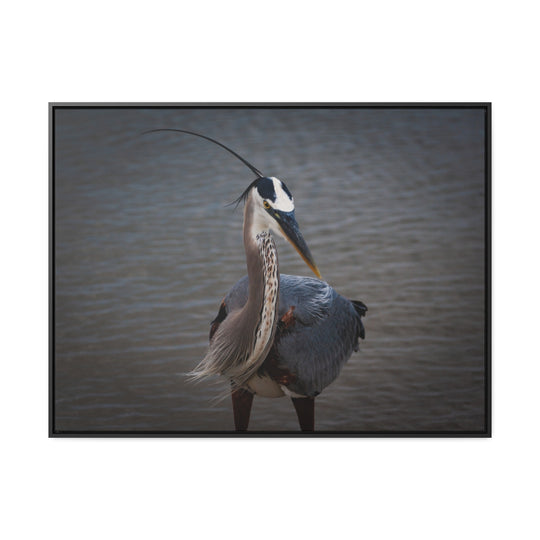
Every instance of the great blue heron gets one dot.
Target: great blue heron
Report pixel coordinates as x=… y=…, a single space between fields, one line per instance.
x=277 y=335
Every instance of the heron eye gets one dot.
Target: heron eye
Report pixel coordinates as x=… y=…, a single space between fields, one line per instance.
x=266 y=204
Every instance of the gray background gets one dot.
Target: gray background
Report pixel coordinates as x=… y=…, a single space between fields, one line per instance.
x=391 y=203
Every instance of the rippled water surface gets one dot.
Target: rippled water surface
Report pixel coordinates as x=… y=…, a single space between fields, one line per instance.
x=391 y=203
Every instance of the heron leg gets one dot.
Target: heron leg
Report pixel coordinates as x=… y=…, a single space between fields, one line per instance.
x=305 y=410
x=241 y=400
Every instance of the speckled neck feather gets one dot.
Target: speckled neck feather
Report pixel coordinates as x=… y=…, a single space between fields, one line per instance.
x=267 y=314
x=243 y=339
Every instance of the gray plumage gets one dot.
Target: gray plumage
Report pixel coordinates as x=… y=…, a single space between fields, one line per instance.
x=253 y=342
x=277 y=335
x=324 y=334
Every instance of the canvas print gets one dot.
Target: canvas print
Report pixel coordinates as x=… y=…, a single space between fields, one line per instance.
x=270 y=270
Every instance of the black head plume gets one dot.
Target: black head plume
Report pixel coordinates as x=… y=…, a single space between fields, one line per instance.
x=245 y=162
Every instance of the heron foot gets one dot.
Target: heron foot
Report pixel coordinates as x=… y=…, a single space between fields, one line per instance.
x=242 y=401
x=305 y=410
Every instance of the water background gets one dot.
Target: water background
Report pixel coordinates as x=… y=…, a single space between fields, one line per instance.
x=390 y=201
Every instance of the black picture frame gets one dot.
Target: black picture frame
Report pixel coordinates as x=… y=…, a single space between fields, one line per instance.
x=55 y=270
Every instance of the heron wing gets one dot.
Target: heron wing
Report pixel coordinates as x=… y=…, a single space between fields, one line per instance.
x=323 y=336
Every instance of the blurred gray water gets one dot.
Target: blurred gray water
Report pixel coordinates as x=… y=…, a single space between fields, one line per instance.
x=391 y=203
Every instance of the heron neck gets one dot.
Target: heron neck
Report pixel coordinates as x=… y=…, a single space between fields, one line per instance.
x=263 y=272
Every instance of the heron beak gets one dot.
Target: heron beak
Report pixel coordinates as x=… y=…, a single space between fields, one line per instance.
x=291 y=231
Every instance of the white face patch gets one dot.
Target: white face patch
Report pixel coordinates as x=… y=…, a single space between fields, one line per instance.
x=262 y=216
x=283 y=202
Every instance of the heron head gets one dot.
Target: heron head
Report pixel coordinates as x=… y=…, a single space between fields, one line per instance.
x=273 y=208
x=270 y=201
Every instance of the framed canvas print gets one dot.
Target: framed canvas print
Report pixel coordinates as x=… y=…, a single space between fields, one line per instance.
x=270 y=269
